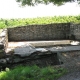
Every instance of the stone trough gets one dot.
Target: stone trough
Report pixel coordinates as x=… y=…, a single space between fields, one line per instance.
x=41 y=44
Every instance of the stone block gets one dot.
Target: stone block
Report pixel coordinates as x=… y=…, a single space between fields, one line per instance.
x=3 y=42
x=1 y=46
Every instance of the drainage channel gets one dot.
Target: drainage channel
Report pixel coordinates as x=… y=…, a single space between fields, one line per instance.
x=39 y=60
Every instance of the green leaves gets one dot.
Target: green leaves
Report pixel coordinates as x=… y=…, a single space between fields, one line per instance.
x=6 y=23
x=34 y=2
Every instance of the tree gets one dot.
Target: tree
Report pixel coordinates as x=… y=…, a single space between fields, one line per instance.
x=35 y=2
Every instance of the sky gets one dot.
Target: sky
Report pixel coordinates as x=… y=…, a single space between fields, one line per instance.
x=12 y=9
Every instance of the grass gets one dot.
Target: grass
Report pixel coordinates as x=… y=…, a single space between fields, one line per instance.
x=32 y=73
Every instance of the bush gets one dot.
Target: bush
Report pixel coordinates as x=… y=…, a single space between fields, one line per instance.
x=44 y=20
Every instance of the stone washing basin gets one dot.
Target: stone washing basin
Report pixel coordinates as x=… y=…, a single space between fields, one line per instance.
x=27 y=48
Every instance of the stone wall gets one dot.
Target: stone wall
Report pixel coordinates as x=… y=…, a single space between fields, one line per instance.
x=3 y=42
x=75 y=31
x=56 y=31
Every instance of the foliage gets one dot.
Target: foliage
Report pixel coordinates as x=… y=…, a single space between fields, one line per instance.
x=6 y=23
x=32 y=73
x=35 y=2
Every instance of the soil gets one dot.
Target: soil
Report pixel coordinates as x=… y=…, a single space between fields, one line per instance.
x=41 y=61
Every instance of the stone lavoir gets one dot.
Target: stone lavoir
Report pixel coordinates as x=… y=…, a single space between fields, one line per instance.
x=50 y=44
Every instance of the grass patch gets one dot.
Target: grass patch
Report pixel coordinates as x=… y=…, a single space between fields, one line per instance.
x=32 y=73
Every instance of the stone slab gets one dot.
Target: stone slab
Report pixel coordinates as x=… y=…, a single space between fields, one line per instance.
x=38 y=43
x=26 y=51
x=64 y=48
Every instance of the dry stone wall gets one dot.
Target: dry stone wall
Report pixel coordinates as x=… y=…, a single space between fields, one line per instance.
x=55 y=31
x=75 y=31
x=3 y=42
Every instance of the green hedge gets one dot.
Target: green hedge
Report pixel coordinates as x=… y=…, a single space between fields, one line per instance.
x=5 y=23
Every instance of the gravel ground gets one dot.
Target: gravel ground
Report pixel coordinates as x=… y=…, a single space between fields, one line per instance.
x=73 y=66
x=74 y=70
x=71 y=76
